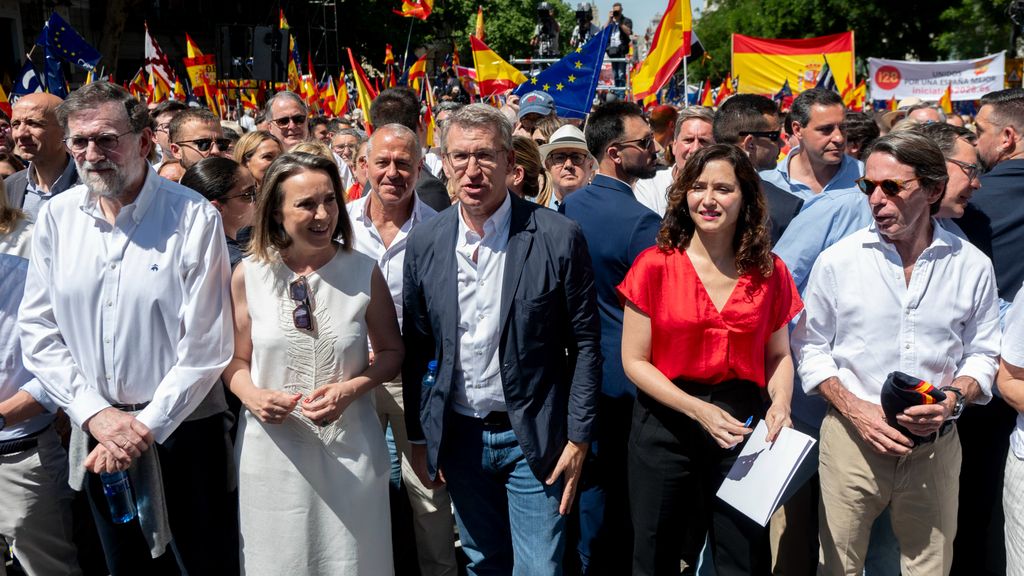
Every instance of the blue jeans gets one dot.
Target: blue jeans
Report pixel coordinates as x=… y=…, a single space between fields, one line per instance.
x=508 y=519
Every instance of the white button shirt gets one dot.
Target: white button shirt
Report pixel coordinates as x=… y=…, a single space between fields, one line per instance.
x=478 y=390
x=1013 y=353
x=130 y=313
x=390 y=259
x=862 y=320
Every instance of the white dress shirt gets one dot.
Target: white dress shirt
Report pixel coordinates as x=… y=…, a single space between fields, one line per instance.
x=1013 y=353
x=478 y=390
x=653 y=192
x=862 y=320
x=390 y=259
x=131 y=313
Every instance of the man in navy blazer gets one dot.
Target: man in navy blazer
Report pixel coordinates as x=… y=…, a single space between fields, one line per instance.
x=617 y=228
x=500 y=292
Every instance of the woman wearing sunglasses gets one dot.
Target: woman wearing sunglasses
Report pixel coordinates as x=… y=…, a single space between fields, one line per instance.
x=232 y=191
x=705 y=340
x=313 y=466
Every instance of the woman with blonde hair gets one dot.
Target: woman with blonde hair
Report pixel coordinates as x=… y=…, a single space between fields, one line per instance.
x=256 y=150
x=312 y=462
x=15 y=228
x=527 y=179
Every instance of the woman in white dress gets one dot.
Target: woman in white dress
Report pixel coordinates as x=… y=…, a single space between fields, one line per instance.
x=312 y=462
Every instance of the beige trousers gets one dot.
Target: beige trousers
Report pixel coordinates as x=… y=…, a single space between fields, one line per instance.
x=1013 y=508
x=35 y=509
x=433 y=523
x=857 y=484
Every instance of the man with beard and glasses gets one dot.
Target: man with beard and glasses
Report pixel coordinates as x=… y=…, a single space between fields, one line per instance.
x=617 y=228
x=37 y=140
x=127 y=325
x=994 y=222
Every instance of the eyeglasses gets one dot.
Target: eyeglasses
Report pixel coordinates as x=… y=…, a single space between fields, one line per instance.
x=205 y=144
x=302 y=316
x=166 y=127
x=283 y=122
x=889 y=186
x=105 y=142
x=970 y=170
x=774 y=136
x=485 y=159
x=559 y=158
x=641 y=143
x=248 y=195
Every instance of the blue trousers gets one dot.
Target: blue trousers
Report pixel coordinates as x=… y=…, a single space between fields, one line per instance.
x=508 y=519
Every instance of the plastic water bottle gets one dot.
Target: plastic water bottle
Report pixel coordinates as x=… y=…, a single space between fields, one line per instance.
x=118 y=490
x=430 y=378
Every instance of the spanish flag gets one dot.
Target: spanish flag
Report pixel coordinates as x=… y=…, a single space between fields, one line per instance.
x=415 y=9
x=5 y=104
x=891 y=104
x=417 y=72
x=724 y=91
x=670 y=45
x=860 y=96
x=946 y=102
x=478 y=31
x=201 y=68
x=329 y=98
x=493 y=74
x=249 y=102
x=341 y=104
x=706 y=100
x=365 y=93
x=762 y=65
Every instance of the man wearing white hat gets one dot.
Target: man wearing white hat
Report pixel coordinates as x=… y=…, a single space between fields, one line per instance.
x=568 y=162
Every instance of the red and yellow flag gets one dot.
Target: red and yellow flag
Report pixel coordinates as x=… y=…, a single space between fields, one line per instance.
x=5 y=104
x=329 y=98
x=891 y=104
x=671 y=44
x=725 y=90
x=201 y=68
x=415 y=9
x=417 y=72
x=860 y=96
x=706 y=98
x=493 y=74
x=478 y=31
x=249 y=102
x=138 y=86
x=946 y=102
x=341 y=104
x=763 y=65
x=364 y=91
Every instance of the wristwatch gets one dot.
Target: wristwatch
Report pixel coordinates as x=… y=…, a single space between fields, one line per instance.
x=958 y=406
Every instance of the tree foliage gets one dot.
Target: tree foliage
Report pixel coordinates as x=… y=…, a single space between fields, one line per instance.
x=916 y=30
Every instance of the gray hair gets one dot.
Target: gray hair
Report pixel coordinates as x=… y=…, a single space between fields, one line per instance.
x=945 y=136
x=88 y=97
x=412 y=140
x=694 y=113
x=284 y=95
x=913 y=149
x=478 y=116
x=915 y=107
x=356 y=133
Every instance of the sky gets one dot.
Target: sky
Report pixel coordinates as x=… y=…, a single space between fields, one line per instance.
x=640 y=11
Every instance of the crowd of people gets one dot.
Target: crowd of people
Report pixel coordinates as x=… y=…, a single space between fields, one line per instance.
x=534 y=348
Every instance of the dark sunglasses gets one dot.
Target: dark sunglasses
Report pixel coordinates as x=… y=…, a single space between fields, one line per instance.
x=970 y=170
x=774 y=136
x=302 y=316
x=890 y=187
x=641 y=143
x=204 y=144
x=283 y=122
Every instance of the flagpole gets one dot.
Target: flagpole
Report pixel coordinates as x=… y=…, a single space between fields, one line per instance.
x=405 y=59
x=686 y=83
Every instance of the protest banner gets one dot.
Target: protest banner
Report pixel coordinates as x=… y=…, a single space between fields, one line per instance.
x=970 y=79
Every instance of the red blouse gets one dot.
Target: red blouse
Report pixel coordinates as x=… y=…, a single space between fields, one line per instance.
x=690 y=339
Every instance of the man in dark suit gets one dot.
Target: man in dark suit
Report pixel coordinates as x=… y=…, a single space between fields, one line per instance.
x=38 y=139
x=400 y=105
x=500 y=292
x=617 y=228
x=751 y=122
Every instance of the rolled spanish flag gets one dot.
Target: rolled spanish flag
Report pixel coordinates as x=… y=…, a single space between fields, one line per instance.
x=364 y=91
x=493 y=74
x=946 y=102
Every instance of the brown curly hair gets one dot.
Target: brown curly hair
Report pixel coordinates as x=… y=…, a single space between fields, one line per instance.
x=751 y=241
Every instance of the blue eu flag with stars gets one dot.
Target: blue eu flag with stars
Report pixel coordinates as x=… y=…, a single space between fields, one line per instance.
x=61 y=40
x=572 y=81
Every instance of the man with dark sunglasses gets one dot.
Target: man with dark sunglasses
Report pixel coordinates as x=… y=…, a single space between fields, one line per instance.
x=288 y=117
x=196 y=134
x=751 y=122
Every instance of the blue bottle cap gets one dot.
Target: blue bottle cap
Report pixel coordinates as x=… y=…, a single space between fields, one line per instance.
x=432 y=366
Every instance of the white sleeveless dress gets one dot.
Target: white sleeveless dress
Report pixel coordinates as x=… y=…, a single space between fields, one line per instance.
x=312 y=499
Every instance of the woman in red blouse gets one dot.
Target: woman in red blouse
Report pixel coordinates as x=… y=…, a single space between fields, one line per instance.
x=704 y=336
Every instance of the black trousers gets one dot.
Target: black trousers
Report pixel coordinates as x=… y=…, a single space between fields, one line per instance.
x=675 y=469
x=197 y=468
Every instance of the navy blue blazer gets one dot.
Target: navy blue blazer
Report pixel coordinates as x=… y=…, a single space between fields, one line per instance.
x=617 y=228
x=549 y=348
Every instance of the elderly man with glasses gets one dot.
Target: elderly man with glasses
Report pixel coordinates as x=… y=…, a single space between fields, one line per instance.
x=934 y=317
x=196 y=134
x=126 y=323
x=568 y=162
x=288 y=117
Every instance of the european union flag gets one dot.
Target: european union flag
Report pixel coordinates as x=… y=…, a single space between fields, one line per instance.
x=60 y=39
x=572 y=81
